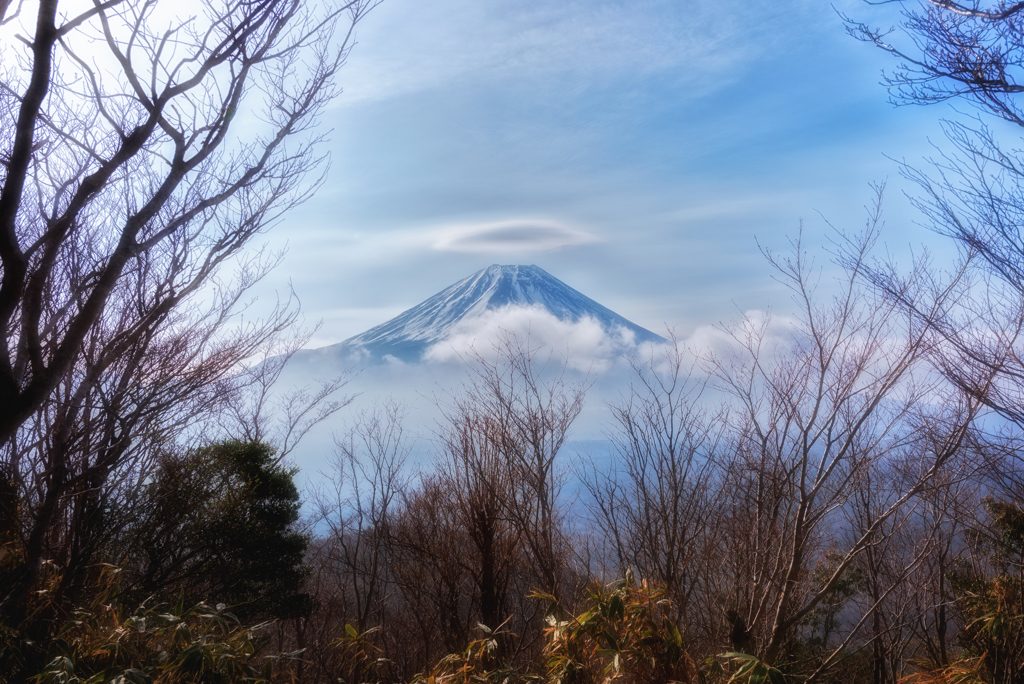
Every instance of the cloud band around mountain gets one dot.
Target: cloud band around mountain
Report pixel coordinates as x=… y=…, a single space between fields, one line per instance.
x=586 y=344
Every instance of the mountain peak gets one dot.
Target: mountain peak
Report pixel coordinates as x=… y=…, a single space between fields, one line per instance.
x=511 y=269
x=410 y=333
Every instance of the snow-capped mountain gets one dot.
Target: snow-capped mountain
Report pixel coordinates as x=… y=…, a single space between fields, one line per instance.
x=410 y=333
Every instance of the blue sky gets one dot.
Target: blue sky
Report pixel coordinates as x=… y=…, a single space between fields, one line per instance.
x=639 y=151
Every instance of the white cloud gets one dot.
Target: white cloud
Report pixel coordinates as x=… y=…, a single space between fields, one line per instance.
x=775 y=333
x=585 y=345
x=519 y=235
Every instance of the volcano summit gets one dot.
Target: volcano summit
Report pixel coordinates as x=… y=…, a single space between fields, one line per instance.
x=411 y=333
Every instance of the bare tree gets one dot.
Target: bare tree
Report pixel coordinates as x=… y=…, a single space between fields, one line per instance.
x=433 y=569
x=108 y=171
x=812 y=414
x=355 y=507
x=972 y=194
x=529 y=404
x=255 y=408
x=137 y=162
x=482 y=487
x=657 y=504
x=898 y=610
x=364 y=489
x=485 y=527
x=954 y=50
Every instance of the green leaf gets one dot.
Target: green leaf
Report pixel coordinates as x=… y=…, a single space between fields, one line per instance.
x=132 y=676
x=745 y=670
x=617 y=607
x=714 y=667
x=738 y=656
x=676 y=636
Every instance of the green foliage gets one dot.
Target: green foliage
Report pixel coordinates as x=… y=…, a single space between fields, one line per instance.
x=963 y=671
x=10 y=542
x=220 y=525
x=183 y=643
x=23 y=648
x=360 y=657
x=752 y=670
x=993 y=639
x=1008 y=522
x=187 y=644
x=477 y=664
x=624 y=635
x=823 y=622
x=992 y=606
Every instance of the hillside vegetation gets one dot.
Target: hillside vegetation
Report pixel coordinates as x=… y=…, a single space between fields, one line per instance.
x=833 y=496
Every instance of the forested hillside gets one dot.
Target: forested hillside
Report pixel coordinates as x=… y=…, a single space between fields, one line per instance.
x=835 y=495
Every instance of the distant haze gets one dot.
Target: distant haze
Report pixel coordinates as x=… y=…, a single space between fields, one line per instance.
x=422 y=355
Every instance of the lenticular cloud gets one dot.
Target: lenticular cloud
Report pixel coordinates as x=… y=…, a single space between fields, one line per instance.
x=524 y=235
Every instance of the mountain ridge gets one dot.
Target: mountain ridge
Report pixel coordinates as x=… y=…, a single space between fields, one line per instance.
x=413 y=331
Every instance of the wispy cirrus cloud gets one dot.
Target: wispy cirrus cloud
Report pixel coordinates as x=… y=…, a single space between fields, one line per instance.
x=407 y=46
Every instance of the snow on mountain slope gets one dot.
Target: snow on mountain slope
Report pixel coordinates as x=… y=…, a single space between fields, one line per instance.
x=431 y=322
